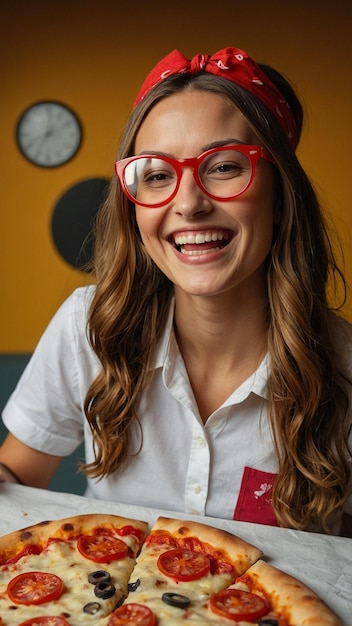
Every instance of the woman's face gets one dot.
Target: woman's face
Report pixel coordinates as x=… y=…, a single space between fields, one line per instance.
x=185 y=125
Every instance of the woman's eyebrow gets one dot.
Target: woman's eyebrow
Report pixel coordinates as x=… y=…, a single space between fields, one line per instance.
x=154 y=153
x=209 y=146
x=223 y=142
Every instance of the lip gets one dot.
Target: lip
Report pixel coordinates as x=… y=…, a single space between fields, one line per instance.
x=200 y=244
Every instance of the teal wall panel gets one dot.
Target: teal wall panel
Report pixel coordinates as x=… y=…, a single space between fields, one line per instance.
x=68 y=478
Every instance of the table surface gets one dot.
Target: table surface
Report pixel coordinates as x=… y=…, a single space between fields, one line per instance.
x=322 y=562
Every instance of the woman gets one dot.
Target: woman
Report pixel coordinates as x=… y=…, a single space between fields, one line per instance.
x=215 y=378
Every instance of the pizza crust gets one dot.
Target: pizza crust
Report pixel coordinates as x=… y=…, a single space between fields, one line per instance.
x=241 y=554
x=38 y=534
x=291 y=597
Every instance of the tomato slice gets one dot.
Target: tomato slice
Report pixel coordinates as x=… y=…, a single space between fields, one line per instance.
x=239 y=605
x=35 y=588
x=162 y=539
x=46 y=620
x=184 y=565
x=222 y=567
x=133 y=614
x=102 y=548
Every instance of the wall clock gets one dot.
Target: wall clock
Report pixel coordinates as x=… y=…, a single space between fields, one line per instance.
x=48 y=133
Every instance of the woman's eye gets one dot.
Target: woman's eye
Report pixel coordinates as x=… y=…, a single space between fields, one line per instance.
x=157 y=177
x=228 y=167
x=154 y=176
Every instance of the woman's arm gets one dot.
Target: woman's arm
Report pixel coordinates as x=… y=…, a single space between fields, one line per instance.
x=27 y=465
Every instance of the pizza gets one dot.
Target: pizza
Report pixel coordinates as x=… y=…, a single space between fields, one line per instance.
x=109 y=570
x=67 y=572
x=192 y=574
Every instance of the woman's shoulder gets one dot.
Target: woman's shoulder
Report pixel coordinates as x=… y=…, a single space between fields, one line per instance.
x=70 y=320
x=76 y=305
x=81 y=297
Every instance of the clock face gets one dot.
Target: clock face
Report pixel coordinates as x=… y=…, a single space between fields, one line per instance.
x=48 y=133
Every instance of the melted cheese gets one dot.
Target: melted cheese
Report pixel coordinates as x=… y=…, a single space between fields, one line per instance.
x=63 y=559
x=153 y=583
x=197 y=614
x=146 y=570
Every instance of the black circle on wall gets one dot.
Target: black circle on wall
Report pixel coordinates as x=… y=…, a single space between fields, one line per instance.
x=73 y=220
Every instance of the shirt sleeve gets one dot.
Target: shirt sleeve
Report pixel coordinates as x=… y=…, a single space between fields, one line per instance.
x=46 y=409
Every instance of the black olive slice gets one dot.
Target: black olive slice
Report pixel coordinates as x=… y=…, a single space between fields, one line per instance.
x=134 y=586
x=104 y=590
x=268 y=621
x=91 y=608
x=98 y=577
x=175 y=599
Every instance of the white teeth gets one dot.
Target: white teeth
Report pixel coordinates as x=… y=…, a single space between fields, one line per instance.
x=181 y=240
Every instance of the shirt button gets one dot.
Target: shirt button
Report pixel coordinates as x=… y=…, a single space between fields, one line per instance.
x=201 y=442
x=197 y=489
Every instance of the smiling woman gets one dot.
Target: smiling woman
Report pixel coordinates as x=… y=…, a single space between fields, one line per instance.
x=205 y=370
x=227 y=190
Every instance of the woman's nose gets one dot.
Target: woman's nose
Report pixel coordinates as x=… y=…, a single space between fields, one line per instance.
x=190 y=200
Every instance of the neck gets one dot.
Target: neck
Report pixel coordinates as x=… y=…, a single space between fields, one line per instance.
x=203 y=325
x=222 y=341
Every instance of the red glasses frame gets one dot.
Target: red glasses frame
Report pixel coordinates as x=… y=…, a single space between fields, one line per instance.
x=254 y=153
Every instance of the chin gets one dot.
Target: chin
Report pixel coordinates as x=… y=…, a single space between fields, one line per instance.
x=205 y=291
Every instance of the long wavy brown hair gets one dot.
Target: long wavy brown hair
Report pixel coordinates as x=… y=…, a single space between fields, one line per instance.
x=307 y=392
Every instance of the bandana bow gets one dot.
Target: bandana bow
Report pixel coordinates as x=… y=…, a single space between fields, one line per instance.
x=234 y=65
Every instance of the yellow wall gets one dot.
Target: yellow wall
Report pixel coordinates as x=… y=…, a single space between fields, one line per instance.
x=93 y=55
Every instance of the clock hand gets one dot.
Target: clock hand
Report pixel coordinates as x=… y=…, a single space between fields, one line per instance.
x=36 y=145
x=34 y=140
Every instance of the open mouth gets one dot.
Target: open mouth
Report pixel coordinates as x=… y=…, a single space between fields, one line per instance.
x=201 y=242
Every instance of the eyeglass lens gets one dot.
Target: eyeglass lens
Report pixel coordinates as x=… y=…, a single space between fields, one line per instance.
x=224 y=174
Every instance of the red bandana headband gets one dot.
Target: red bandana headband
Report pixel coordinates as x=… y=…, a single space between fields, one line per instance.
x=235 y=65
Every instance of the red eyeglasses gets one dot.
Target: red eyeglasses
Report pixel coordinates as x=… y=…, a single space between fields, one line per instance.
x=222 y=173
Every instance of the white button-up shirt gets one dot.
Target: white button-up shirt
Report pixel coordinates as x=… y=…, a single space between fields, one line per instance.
x=175 y=462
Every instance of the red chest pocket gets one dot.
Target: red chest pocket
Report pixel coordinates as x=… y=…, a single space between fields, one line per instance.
x=254 y=500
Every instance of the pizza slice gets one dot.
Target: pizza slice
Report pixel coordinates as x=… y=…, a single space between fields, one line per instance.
x=71 y=571
x=190 y=574
x=282 y=599
x=181 y=565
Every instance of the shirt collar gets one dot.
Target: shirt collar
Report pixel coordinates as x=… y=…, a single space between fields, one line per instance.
x=163 y=345
x=256 y=383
